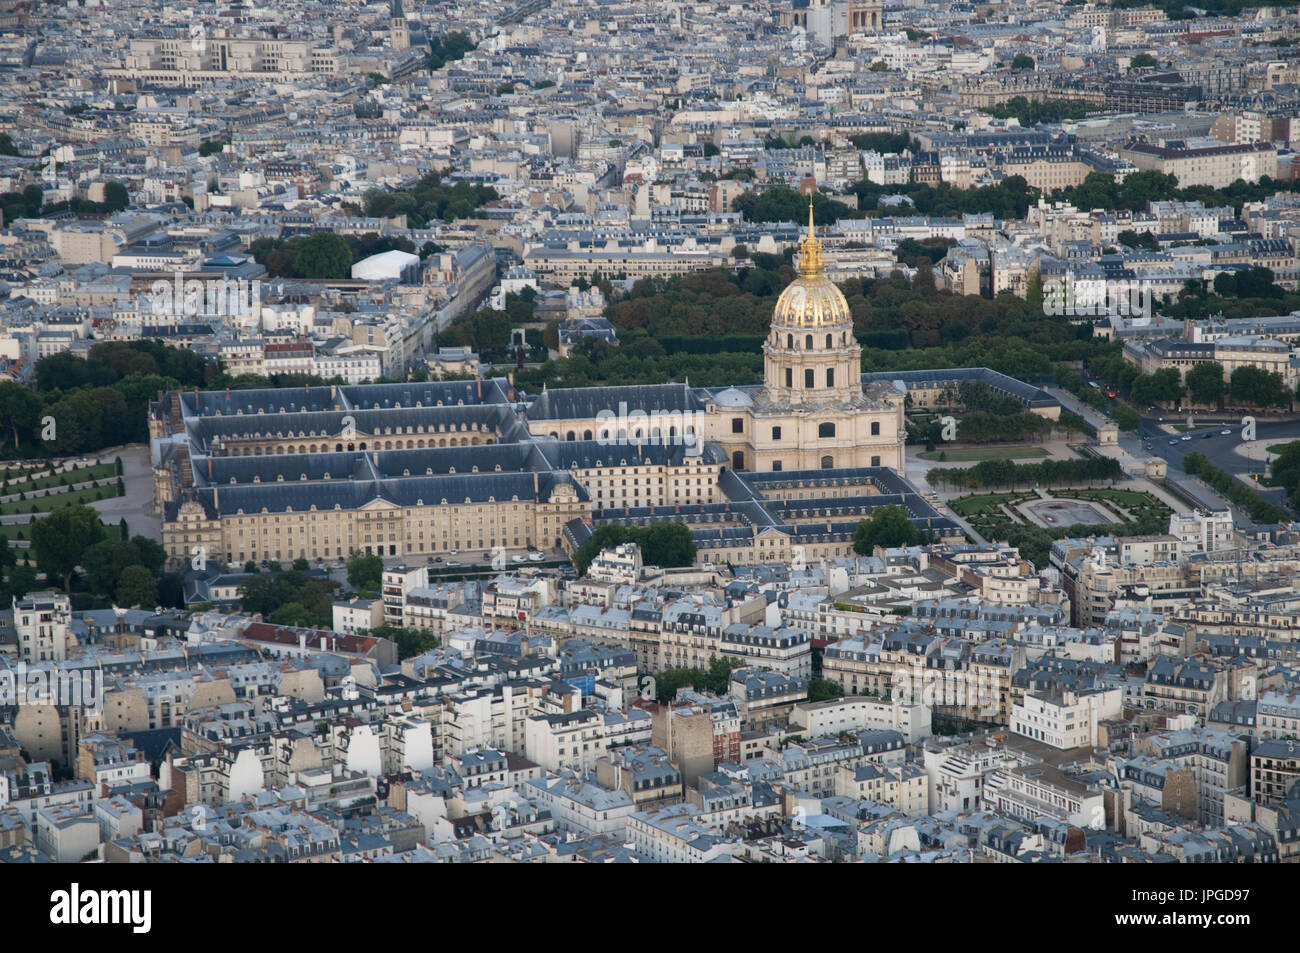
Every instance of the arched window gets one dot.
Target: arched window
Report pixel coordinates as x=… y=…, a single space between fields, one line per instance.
x=826 y=430
x=738 y=460
x=807 y=343
x=586 y=435
x=828 y=463
x=808 y=379
x=829 y=338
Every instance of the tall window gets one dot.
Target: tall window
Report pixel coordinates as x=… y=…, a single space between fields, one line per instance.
x=830 y=377
x=875 y=428
x=828 y=341
x=737 y=424
x=789 y=377
x=776 y=433
x=828 y=463
x=738 y=460
x=807 y=343
x=808 y=379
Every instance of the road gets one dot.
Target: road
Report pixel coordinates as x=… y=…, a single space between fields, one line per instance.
x=1220 y=450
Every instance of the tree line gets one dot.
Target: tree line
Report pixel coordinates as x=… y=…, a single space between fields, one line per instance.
x=998 y=473
x=1260 y=509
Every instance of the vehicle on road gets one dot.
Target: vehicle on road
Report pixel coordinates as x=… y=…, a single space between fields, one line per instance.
x=1185 y=437
x=1225 y=433
x=537 y=557
x=1173 y=443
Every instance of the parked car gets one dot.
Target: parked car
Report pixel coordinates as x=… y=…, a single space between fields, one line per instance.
x=1225 y=433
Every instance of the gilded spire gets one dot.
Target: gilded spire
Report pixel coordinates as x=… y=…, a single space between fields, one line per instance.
x=810 y=250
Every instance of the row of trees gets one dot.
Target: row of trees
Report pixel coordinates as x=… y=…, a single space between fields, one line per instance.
x=998 y=473
x=1260 y=509
x=1031 y=113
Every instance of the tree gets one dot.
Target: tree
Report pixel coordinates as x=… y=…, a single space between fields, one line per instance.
x=116 y=196
x=410 y=642
x=1259 y=387
x=19 y=409
x=1205 y=383
x=887 y=526
x=1143 y=61
x=823 y=689
x=365 y=571
x=62 y=538
x=137 y=587
x=1022 y=61
x=105 y=562
x=1126 y=418
x=323 y=255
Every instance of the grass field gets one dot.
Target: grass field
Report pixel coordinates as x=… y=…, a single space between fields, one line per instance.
x=43 y=504
x=988 y=503
x=976 y=454
x=1278 y=447
x=21 y=484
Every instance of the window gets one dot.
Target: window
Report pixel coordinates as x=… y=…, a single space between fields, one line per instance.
x=776 y=466
x=875 y=428
x=776 y=433
x=807 y=343
x=789 y=377
x=738 y=460
x=829 y=339
x=737 y=424
x=875 y=461
x=830 y=377
x=828 y=463
x=825 y=430
x=808 y=379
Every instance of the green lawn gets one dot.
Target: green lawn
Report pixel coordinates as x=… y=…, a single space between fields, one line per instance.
x=83 y=475
x=987 y=503
x=44 y=504
x=968 y=454
x=1279 y=447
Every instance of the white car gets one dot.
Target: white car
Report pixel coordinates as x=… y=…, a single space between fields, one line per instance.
x=454 y=552
x=517 y=559
x=1225 y=433
x=536 y=557
x=452 y=562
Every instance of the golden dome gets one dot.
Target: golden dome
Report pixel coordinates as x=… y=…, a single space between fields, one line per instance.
x=812 y=300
